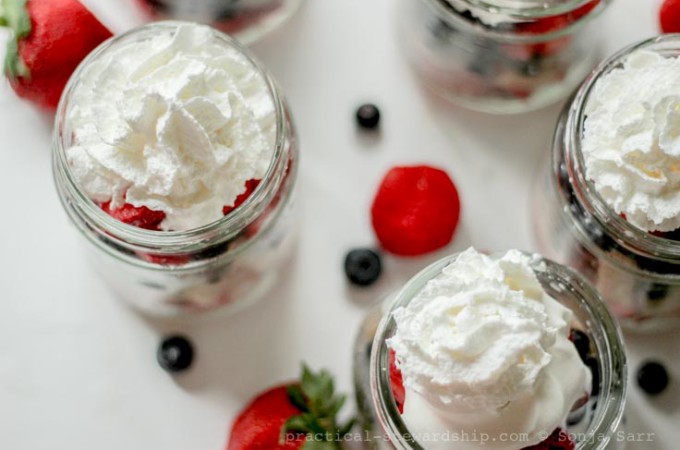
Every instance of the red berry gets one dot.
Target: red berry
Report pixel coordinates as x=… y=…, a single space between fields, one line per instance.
x=416 y=210
x=165 y=260
x=669 y=16
x=55 y=37
x=251 y=185
x=137 y=216
x=558 y=440
x=397 y=382
x=290 y=416
x=259 y=426
x=553 y=24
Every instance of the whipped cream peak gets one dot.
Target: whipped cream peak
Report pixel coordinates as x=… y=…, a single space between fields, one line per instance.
x=177 y=122
x=631 y=140
x=483 y=348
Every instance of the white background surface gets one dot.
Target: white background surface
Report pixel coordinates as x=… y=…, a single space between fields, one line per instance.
x=77 y=368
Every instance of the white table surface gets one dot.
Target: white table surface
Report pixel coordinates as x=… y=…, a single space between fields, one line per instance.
x=78 y=369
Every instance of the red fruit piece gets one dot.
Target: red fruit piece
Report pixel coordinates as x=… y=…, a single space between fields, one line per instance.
x=669 y=16
x=251 y=185
x=259 y=426
x=283 y=417
x=165 y=260
x=141 y=216
x=558 y=440
x=397 y=382
x=50 y=39
x=416 y=210
x=553 y=24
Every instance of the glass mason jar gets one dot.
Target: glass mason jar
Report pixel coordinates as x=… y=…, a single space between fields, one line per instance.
x=246 y=20
x=232 y=261
x=637 y=273
x=592 y=425
x=501 y=56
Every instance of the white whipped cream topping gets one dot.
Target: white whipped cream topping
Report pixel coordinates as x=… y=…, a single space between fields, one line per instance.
x=483 y=349
x=177 y=123
x=631 y=140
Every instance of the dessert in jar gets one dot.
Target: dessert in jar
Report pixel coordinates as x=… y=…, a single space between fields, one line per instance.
x=247 y=20
x=507 y=351
x=175 y=157
x=608 y=204
x=501 y=56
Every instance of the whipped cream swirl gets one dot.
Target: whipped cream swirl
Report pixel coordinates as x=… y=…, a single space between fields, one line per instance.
x=176 y=122
x=631 y=140
x=483 y=349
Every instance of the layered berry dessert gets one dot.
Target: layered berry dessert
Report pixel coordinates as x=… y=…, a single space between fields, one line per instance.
x=501 y=56
x=174 y=131
x=483 y=349
x=616 y=173
x=509 y=351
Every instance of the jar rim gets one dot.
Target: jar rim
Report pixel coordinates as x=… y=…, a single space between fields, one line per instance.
x=229 y=224
x=612 y=361
x=634 y=238
x=517 y=15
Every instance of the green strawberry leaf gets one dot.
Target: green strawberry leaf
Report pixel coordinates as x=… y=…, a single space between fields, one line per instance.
x=15 y=15
x=315 y=396
x=297 y=398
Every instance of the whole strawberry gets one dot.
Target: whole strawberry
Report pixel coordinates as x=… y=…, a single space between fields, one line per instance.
x=292 y=416
x=415 y=210
x=50 y=38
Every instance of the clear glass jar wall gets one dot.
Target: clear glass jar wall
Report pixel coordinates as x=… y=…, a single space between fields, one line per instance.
x=501 y=60
x=247 y=20
x=231 y=262
x=636 y=272
x=592 y=425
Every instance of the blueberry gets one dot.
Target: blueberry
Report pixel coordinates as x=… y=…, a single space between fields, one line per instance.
x=363 y=266
x=175 y=354
x=368 y=116
x=652 y=377
x=158 y=5
x=594 y=367
x=581 y=342
x=441 y=30
x=212 y=251
x=657 y=291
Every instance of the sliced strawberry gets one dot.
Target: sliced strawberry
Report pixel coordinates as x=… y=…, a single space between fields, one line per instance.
x=165 y=260
x=282 y=417
x=50 y=39
x=558 y=440
x=251 y=185
x=669 y=16
x=397 y=382
x=137 y=216
x=415 y=210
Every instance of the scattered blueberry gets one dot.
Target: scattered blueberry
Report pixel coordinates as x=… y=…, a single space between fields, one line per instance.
x=652 y=377
x=368 y=116
x=581 y=342
x=363 y=266
x=175 y=354
x=594 y=367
